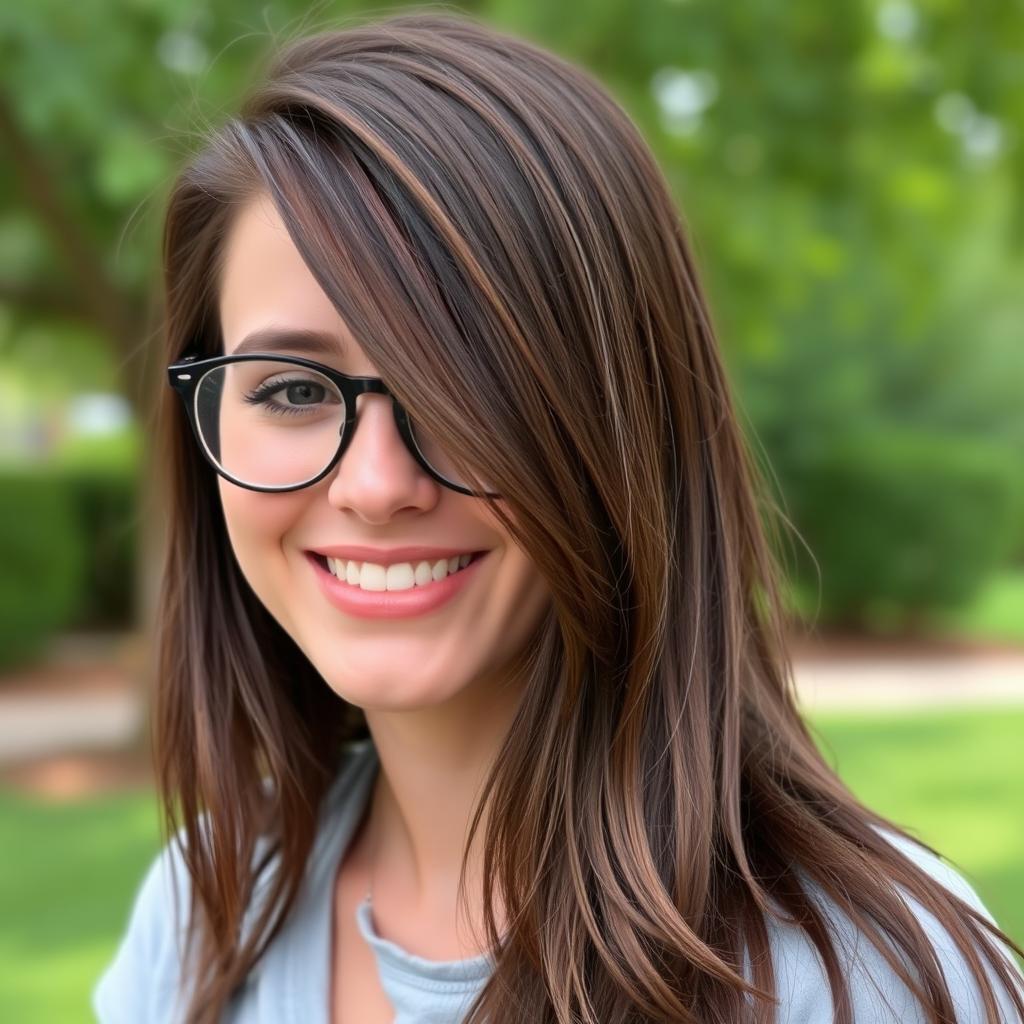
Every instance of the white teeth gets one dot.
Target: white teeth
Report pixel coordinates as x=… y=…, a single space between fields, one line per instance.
x=373 y=577
x=400 y=576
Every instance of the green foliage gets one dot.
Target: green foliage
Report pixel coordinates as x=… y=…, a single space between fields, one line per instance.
x=68 y=538
x=848 y=175
x=996 y=614
x=42 y=552
x=904 y=522
x=102 y=491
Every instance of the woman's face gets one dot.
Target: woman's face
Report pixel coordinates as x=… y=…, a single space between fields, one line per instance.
x=378 y=496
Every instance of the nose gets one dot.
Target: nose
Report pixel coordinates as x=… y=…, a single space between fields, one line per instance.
x=377 y=475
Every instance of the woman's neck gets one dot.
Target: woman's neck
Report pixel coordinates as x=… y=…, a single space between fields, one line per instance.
x=433 y=765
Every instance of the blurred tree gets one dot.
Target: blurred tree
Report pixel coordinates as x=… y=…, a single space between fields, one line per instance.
x=849 y=172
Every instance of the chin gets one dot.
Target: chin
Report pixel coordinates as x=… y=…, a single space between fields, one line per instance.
x=387 y=689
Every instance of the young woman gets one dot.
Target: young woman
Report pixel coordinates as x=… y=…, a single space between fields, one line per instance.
x=473 y=700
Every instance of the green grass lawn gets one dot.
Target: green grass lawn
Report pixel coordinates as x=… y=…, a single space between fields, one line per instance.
x=954 y=779
x=68 y=873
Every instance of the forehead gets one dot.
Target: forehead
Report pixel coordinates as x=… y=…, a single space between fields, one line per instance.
x=265 y=286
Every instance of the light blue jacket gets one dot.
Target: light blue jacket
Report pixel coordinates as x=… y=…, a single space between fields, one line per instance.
x=291 y=982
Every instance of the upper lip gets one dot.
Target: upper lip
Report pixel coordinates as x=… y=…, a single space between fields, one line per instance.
x=389 y=556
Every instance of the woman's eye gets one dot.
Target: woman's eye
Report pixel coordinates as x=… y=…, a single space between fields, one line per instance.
x=290 y=396
x=304 y=393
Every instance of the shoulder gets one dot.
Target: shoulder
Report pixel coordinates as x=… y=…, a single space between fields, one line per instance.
x=877 y=993
x=143 y=981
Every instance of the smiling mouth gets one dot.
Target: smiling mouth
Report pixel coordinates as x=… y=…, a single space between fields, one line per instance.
x=322 y=561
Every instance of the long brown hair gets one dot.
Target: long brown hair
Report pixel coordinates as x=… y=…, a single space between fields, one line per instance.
x=483 y=211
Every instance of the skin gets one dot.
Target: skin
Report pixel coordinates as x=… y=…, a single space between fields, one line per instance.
x=436 y=688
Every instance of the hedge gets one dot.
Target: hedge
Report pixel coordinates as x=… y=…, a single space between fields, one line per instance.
x=902 y=522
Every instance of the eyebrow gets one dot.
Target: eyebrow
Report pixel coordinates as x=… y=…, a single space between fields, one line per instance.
x=278 y=339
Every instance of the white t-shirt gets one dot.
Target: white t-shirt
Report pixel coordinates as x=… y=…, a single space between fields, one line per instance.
x=291 y=981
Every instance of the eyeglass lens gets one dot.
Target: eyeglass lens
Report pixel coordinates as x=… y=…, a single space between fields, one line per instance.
x=274 y=424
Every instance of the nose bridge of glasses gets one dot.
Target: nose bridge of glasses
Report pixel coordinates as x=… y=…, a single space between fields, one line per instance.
x=370 y=393
x=374 y=391
x=356 y=388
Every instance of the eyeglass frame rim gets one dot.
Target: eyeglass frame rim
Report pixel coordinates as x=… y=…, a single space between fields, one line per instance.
x=185 y=374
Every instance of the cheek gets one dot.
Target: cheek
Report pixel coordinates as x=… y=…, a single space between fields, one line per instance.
x=523 y=597
x=256 y=524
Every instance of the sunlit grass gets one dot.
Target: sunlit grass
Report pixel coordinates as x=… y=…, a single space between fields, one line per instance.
x=953 y=778
x=68 y=877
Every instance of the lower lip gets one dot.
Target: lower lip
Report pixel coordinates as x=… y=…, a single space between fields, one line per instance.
x=391 y=604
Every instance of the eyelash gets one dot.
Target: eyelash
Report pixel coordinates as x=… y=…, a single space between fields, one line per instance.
x=257 y=396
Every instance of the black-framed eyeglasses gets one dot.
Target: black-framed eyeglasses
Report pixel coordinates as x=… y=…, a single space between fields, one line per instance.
x=271 y=422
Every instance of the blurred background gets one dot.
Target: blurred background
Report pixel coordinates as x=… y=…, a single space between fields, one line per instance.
x=849 y=173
